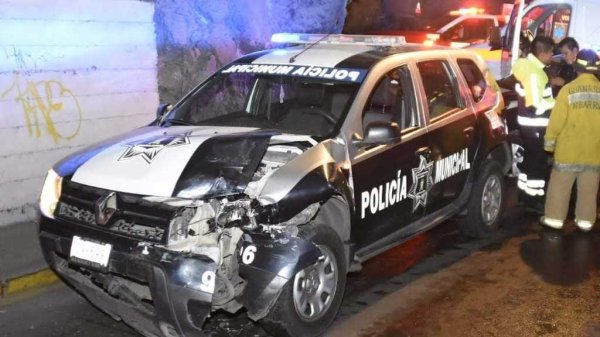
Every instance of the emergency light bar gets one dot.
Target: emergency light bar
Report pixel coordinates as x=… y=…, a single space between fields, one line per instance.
x=467 y=11
x=340 y=39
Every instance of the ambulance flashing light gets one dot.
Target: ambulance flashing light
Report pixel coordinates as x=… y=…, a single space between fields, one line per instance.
x=468 y=11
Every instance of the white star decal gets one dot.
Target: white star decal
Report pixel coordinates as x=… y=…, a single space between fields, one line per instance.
x=148 y=149
x=422 y=182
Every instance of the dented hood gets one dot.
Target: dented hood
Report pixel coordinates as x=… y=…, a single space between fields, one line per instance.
x=182 y=161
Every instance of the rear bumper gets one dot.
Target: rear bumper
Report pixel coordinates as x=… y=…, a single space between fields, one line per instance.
x=178 y=286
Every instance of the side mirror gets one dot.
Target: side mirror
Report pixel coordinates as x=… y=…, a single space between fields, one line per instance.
x=495 y=38
x=162 y=109
x=379 y=133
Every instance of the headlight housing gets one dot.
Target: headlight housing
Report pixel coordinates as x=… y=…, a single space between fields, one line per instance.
x=50 y=193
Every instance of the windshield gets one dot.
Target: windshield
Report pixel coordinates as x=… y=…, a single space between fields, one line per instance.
x=290 y=99
x=438 y=22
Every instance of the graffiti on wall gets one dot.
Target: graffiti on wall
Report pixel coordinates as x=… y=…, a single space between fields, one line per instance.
x=49 y=107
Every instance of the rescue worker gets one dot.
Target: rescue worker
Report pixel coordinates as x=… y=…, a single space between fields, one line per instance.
x=535 y=103
x=574 y=136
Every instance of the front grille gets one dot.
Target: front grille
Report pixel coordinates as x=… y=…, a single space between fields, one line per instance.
x=134 y=217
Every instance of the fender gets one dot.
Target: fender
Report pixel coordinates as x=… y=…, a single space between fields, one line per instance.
x=288 y=191
x=493 y=143
x=267 y=264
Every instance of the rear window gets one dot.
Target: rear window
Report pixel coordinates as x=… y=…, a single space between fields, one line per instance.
x=474 y=78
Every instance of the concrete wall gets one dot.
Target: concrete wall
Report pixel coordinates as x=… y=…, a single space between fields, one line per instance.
x=72 y=72
x=196 y=37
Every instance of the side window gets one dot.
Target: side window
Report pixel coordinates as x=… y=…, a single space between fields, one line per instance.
x=474 y=78
x=392 y=100
x=440 y=87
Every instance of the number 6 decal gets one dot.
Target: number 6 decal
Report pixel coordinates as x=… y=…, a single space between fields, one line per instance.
x=248 y=254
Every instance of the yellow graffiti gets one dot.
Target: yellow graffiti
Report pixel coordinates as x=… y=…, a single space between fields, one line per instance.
x=47 y=101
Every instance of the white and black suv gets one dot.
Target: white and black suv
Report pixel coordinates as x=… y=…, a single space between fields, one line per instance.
x=269 y=181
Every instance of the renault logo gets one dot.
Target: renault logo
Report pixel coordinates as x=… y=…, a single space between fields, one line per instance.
x=106 y=206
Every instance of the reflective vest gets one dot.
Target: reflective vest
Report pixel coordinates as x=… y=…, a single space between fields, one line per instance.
x=573 y=133
x=534 y=88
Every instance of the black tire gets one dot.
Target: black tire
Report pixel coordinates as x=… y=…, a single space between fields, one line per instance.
x=486 y=202
x=284 y=319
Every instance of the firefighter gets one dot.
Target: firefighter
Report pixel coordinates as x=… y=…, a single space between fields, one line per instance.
x=573 y=135
x=535 y=102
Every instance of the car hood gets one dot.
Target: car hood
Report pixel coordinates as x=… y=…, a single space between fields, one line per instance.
x=179 y=161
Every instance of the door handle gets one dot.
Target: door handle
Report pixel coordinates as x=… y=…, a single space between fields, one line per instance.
x=424 y=151
x=469 y=132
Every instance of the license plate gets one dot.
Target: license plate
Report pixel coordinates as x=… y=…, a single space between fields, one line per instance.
x=89 y=251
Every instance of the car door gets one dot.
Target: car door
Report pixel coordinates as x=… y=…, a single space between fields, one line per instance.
x=452 y=132
x=384 y=174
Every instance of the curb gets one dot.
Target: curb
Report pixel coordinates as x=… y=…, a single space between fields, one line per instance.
x=35 y=280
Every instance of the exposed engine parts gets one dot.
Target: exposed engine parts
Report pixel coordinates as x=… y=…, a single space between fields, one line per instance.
x=215 y=228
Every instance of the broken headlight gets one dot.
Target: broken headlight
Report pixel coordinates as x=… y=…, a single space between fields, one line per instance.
x=179 y=229
x=50 y=193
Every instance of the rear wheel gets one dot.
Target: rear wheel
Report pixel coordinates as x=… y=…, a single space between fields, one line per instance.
x=309 y=302
x=486 y=203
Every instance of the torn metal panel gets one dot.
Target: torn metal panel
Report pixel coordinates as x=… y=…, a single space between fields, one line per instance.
x=283 y=180
x=268 y=262
x=222 y=165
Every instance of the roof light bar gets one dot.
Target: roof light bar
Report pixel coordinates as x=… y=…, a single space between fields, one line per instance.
x=340 y=39
x=467 y=11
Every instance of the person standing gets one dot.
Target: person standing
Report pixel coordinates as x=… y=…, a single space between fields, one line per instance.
x=535 y=103
x=573 y=135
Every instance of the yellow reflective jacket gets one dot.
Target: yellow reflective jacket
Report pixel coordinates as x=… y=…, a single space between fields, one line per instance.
x=573 y=132
x=530 y=73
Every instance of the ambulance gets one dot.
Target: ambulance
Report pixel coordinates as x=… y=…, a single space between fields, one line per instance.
x=471 y=29
x=554 y=18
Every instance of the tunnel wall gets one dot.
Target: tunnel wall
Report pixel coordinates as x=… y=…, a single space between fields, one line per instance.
x=71 y=73
x=194 y=38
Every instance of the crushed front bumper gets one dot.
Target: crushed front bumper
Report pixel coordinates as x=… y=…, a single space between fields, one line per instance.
x=179 y=287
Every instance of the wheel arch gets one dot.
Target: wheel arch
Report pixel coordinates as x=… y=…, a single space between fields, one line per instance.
x=501 y=154
x=335 y=213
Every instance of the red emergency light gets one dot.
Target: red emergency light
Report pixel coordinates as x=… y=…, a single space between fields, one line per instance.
x=467 y=11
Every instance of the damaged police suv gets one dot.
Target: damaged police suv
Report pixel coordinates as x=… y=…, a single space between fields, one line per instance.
x=270 y=181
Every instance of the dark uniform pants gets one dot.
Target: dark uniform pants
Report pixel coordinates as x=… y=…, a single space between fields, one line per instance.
x=535 y=168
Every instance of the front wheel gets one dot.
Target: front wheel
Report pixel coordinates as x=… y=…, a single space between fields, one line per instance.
x=309 y=302
x=486 y=203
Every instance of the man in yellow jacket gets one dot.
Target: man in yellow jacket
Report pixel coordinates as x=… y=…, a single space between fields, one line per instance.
x=573 y=135
x=532 y=118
